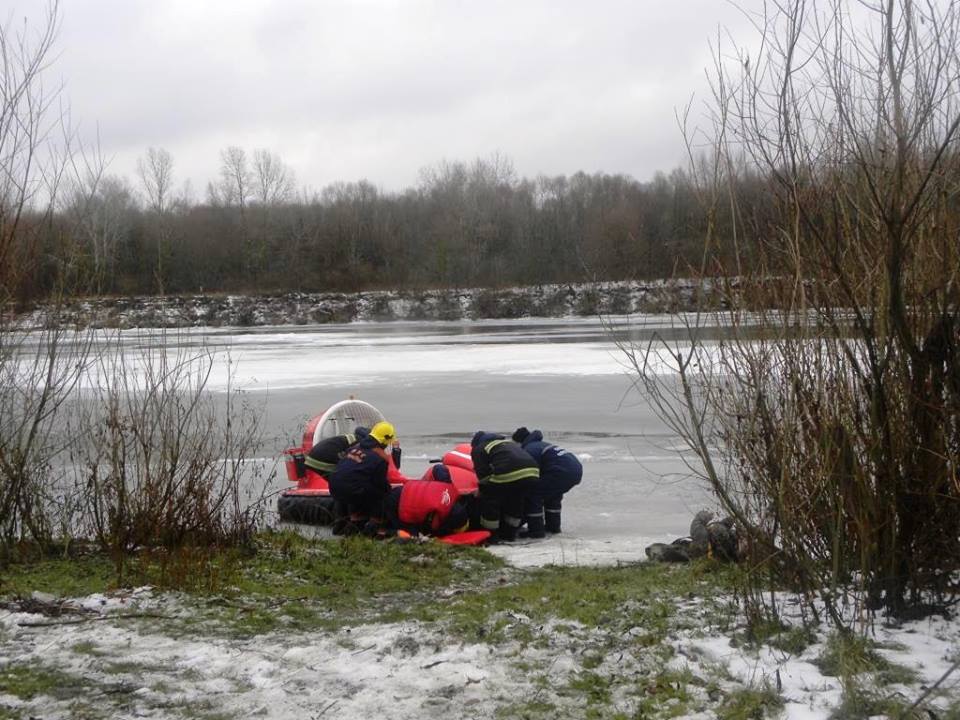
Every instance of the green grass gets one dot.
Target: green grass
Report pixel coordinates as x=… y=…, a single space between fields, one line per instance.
x=667 y=694
x=860 y=703
x=298 y=583
x=534 y=709
x=750 y=704
x=791 y=639
x=287 y=582
x=636 y=596
x=86 y=647
x=846 y=656
x=89 y=699
x=866 y=677
x=73 y=577
x=591 y=686
x=29 y=680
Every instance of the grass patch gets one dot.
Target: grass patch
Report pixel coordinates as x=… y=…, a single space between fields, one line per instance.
x=847 y=656
x=860 y=703
x=593 y=687
x=84 y=698
x=297 y=583
x=613 y=598
x=608 y=622
x=86 y=647
x=123 y=667
x=750 y=704
x=535 y=709
x=666 y=695
x=287 y=581
x=866 y=676
x=292 y=582
x=61 y=577
x=29 y=680
x=790 y=639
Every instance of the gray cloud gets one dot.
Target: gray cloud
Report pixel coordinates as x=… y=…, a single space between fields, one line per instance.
x=380 y=88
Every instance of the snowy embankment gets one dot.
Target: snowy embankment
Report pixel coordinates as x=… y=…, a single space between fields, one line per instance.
x=585 y=299
x=559 y=668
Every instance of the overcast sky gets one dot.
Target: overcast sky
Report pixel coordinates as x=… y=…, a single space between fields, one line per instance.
x=377 y=89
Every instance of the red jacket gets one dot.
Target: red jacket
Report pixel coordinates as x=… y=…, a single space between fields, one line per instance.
x=422 y=497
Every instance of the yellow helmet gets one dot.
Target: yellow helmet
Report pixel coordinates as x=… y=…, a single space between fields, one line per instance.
x=383 y=433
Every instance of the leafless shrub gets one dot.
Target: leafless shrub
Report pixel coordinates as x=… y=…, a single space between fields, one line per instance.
x=162 y=462
x=38 y=373
x=38 y=369
x=144 y=457
x=828 y=423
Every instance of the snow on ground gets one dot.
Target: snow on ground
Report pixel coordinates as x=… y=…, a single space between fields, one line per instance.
x=386 y=671
x=411 y=670
x=568 y=550
x=929 y=647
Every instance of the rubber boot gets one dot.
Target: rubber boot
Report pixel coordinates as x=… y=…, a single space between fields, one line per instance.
x=355 y=524
x=340 y=518
x=371 y=528
x=552 y=514
x=508 y=528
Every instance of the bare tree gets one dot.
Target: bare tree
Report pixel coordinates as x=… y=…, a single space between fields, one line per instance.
x=102 y=209
x=28 y=164
x=273 y=180
x=236 y=178
x=156 y=175
x=156 y=178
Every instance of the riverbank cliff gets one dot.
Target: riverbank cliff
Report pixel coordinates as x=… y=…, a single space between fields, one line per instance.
x=295 y=308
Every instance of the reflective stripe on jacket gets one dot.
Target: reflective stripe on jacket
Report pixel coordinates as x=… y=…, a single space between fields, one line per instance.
x=498 y=460
x=324 y=456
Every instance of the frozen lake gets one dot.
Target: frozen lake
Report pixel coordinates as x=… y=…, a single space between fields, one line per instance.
x=439 y=382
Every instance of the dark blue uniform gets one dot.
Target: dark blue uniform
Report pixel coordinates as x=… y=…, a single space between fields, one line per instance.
x=324 y=456
x=560 y=470
x=360 y=479
x=506 y=475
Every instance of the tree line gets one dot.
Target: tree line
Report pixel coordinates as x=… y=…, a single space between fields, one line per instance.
x=464 y=224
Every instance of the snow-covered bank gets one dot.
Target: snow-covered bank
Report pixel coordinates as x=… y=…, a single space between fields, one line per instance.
x=640 y=660
x=585 y=299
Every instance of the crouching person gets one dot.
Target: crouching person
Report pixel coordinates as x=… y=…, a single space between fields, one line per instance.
x=324 y=456
x=559 y=472
x=359 y=480
x=708 y=538
x=429 y=506
x=506 y=474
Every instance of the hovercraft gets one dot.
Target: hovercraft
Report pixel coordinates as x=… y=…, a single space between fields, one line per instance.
x=310 y=501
